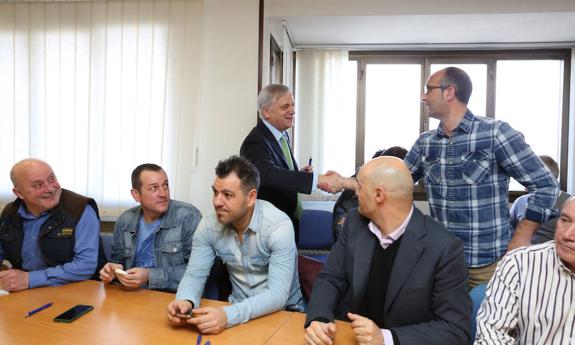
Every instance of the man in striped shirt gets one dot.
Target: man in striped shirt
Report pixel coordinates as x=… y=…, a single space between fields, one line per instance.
x=531 y=297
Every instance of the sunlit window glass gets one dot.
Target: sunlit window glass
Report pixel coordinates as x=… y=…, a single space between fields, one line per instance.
x=391 y=106
x=529 y=98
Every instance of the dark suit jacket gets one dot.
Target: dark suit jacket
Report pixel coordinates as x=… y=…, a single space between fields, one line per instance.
x=278 y=184
x=427 y=300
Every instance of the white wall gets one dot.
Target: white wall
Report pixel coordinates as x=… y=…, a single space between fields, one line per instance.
x=226 y=107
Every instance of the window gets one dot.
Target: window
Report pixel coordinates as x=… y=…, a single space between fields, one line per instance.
x=524 y=88
x=325 y=110
x=385 y=102
x=95 y=89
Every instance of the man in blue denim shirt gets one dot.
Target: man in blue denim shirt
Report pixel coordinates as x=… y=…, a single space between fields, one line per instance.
x=256 y=242
x=466 y=164
x=152 y=242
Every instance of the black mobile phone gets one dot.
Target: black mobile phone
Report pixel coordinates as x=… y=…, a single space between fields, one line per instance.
x=73 y=313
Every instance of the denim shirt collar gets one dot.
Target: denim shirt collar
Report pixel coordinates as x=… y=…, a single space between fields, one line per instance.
x=255 y=222
x=169 y=218
x=463 y=126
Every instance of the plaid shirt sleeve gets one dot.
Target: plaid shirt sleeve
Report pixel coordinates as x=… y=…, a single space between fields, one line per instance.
x=413 y=162
x=520 y=162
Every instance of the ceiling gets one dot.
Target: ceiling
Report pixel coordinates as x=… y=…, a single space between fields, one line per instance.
x=397 y=27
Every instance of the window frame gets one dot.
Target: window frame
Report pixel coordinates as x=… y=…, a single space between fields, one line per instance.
x=488 y=57
x=276 y=62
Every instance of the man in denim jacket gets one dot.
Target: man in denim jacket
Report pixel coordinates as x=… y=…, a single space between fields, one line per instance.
x=152 y=242
x=256 y=242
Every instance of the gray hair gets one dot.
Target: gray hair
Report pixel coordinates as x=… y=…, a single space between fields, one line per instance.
x=269 y=94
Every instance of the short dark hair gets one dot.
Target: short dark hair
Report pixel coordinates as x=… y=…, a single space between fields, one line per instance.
x=460 y=80
x=551 y=164
x=395 y=151
x=244 y=170
x=378 y=153
x=136 y=182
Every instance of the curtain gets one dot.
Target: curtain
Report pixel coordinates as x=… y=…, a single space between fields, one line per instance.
x=326 y=83
x=97 y=88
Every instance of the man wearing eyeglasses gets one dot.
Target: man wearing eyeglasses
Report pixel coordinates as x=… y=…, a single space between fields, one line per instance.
x=466 y=164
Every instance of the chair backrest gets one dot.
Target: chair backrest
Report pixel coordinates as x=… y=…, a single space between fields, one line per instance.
x=315 y=229
x=107 y=238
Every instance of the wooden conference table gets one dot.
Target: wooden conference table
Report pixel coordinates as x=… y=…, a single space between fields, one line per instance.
x=132 y=317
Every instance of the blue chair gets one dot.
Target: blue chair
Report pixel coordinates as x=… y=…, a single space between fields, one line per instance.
x=315 y=234
x=477 y=295
x=107 y=238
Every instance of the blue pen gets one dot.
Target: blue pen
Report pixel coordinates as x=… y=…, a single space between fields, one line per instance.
x=199 y=341
x=32 y=312
x=309 y=162
x=208 y=343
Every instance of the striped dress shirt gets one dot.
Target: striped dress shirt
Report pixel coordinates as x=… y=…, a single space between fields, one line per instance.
x=529 y=300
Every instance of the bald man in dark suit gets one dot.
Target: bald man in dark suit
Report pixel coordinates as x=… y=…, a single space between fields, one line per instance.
x=397 y=275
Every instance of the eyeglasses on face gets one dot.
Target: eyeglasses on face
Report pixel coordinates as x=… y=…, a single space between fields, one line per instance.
x=431 y=87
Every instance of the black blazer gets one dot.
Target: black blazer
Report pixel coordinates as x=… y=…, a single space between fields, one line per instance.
x=278 y=184
x=427 y=300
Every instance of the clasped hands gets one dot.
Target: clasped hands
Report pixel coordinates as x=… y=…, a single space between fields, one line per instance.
x=134 y=278
x=208 y=320
x=331 y=182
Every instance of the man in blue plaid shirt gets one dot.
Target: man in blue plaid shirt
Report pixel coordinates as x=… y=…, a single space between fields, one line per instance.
x=466 y=164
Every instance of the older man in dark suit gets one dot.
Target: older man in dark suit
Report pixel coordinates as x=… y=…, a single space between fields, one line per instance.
x=268 y=147
x=398 y=275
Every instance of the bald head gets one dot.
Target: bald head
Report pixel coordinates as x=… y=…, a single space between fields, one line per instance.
x=36 y=184
x=391 y=174
x=385 y=192
x=22 y=167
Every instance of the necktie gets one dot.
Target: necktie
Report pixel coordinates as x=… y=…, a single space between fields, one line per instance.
x=286 y=152
x=287 y=156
